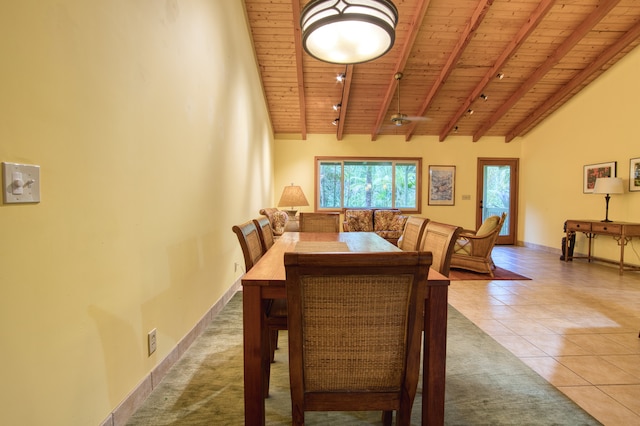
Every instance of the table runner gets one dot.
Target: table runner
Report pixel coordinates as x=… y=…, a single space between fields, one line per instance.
x=321 y=246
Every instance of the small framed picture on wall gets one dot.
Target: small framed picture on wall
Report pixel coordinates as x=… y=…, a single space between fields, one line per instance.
x=595 y=171
x=442 y=180
x=634 y=174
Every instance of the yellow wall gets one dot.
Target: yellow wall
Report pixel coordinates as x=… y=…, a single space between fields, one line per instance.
x=149 y=125
x=294 y=162
x=600 y=124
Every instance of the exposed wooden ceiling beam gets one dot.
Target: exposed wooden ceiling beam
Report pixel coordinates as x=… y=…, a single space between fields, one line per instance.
x=575 y=82
x=295 y=4
x=461 y=45
x=531 y=24
x=519 y=37
x=344 y=100
x=414 y=27
x=564 y=48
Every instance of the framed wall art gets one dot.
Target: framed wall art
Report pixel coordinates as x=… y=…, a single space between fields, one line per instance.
x=634 y=174
x=442 y=181
x=594 y=171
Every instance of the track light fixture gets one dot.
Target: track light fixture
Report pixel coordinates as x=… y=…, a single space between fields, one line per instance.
x=348 y=31
x=336 y=107
x=470 y=111
x=335 y=122
x=500 y=76
x=484 y=97
x=340 y=77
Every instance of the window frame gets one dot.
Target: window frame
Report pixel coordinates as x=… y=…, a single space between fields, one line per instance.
x=393 y=160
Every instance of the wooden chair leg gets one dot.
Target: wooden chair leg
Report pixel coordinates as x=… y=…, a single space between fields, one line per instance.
x=387 y=418
x=273 y=344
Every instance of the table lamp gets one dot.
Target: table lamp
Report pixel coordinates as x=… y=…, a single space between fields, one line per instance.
x=608 y=185
x=292 y=196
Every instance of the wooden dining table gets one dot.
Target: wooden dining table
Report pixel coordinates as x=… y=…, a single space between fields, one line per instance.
x=266 y=280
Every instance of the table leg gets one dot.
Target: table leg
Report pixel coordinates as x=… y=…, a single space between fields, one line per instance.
x=435 y=352
x=254 y=386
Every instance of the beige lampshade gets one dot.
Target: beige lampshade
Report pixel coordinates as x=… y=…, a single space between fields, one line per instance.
x=292 y=196
x=608 y=185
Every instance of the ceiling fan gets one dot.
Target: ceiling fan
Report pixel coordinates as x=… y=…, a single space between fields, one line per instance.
x=398 y=119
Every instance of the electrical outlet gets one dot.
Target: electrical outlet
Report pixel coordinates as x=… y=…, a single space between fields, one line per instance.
x=151 y=341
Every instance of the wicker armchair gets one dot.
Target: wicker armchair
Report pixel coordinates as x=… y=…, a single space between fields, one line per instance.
x=278 y=219
x=332 y=298
x=472 y=251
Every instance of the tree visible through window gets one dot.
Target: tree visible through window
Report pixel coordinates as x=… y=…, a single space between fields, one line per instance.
x=368 y=183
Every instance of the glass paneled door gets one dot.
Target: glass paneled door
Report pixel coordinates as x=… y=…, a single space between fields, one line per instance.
x=497 y=192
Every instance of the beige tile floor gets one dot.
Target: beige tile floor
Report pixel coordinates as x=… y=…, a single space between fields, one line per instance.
x=575 y=323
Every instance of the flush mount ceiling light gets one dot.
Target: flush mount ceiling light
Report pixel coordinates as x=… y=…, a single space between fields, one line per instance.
x=348 y=31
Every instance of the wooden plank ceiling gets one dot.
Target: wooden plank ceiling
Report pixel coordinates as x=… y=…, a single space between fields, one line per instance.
x=470 y=67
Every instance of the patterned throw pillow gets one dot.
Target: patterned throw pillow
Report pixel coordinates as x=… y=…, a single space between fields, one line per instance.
x=359 y=220
x=389 y=220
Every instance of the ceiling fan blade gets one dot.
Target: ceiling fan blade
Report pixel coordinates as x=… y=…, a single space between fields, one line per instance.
x=399 y=119
x=402 y=119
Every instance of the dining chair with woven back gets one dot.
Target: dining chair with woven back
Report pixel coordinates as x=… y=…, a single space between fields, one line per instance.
x=319 y=222
x=333 y=297
x=439 y=239
x=249 y=239
x=412 y=233
x=265 y=232
x=276 y=309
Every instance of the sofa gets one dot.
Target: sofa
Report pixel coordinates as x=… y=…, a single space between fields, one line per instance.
x=277 y=218
x=388 y=223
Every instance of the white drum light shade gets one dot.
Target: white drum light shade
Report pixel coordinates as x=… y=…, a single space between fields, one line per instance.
x=348 y=31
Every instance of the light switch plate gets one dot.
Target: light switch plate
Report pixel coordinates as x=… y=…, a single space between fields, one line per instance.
x=30 y=178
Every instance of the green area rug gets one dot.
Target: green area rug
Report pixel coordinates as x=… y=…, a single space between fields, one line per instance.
x=498 y=274
x=486 y=384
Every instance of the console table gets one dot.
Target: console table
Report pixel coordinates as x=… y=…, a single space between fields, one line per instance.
x=622 y=232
